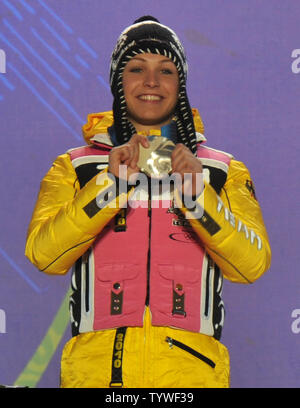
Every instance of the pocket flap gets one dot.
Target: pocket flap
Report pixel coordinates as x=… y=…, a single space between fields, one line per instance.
x=179 y=273
x=117 y=272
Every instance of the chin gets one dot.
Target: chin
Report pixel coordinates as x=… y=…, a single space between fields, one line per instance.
x=153 y=122
x=148 y=121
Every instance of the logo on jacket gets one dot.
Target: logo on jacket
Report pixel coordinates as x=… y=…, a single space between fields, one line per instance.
x=187 y=234
x=184 y=236
x=250 y=187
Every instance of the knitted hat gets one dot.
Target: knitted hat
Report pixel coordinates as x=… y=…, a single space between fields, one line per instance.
x=147 y=35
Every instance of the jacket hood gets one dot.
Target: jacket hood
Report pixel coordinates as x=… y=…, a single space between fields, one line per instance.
x=96 y=128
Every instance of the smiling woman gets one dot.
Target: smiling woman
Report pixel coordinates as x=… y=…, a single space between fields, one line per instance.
x=150 y=84
x=146 y=306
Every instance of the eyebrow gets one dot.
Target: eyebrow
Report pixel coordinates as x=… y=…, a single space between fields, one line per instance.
x=144 y=60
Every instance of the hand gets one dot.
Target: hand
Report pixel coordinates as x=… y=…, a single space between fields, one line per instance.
x=128 y=155
x=188 y=167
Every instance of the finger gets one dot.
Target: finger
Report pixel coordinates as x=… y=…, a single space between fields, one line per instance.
x=144 y=141
x=178 y=153
x=140 y=139
x=178 y=148
x=125 y=155
x=135 y=143
x=134 y=157
x=179 y=162
x=185 y=161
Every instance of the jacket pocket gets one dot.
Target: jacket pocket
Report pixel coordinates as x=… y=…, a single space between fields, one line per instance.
x=119 y=290
x=172 y=342
x=177 y=293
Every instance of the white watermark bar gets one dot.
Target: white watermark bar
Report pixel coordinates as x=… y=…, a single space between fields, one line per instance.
x=2 y=62
x=2 y=321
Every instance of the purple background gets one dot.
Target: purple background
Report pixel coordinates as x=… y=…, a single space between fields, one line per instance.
x=240 y=79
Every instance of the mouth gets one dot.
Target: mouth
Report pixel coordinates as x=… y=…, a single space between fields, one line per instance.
x=150 y=98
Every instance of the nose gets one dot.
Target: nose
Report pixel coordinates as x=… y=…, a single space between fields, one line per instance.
x=151 y=79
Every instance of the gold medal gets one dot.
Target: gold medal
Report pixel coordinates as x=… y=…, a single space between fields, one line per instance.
x=155 y=161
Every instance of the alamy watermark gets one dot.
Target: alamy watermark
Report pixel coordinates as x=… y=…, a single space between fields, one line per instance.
x=162 y=187
x=295 y=326
x=296 y=63
x=2 y=321
x=2 y=62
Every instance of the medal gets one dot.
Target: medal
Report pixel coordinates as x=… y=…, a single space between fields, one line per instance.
x=155 y=161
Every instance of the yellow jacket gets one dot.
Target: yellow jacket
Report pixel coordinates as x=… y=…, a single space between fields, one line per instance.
x=60 y=232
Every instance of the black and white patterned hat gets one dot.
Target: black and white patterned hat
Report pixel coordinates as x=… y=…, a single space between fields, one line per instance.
x=147 y=35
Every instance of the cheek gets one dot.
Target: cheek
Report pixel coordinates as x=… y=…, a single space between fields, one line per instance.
x=130 y=78
x=128 y=85
x=174 y=90
x=126 y=88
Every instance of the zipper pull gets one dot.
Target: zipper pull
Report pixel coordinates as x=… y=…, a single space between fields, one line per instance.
x=169 y=340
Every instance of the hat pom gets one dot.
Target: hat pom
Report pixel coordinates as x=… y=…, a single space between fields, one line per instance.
x=146 y=18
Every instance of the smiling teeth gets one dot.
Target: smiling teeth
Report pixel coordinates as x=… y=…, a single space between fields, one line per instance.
x=150 y=97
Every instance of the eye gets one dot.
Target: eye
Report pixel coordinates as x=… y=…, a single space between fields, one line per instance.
x=167 y=71
x=135 y=69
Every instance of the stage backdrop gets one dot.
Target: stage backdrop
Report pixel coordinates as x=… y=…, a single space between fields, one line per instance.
x=244 y=78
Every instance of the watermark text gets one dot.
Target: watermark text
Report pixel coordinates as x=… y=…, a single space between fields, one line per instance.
x=296 y=63
x=2 y=62
x=296 y=322
x=2 y=321
x=149 y=397
x=161 y=189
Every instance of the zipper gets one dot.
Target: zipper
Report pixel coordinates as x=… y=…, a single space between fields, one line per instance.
x=85 y=261
x=173 y=342
x=210 y=269
x=149 y=246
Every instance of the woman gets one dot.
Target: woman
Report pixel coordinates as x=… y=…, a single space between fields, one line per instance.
x=146 y=307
